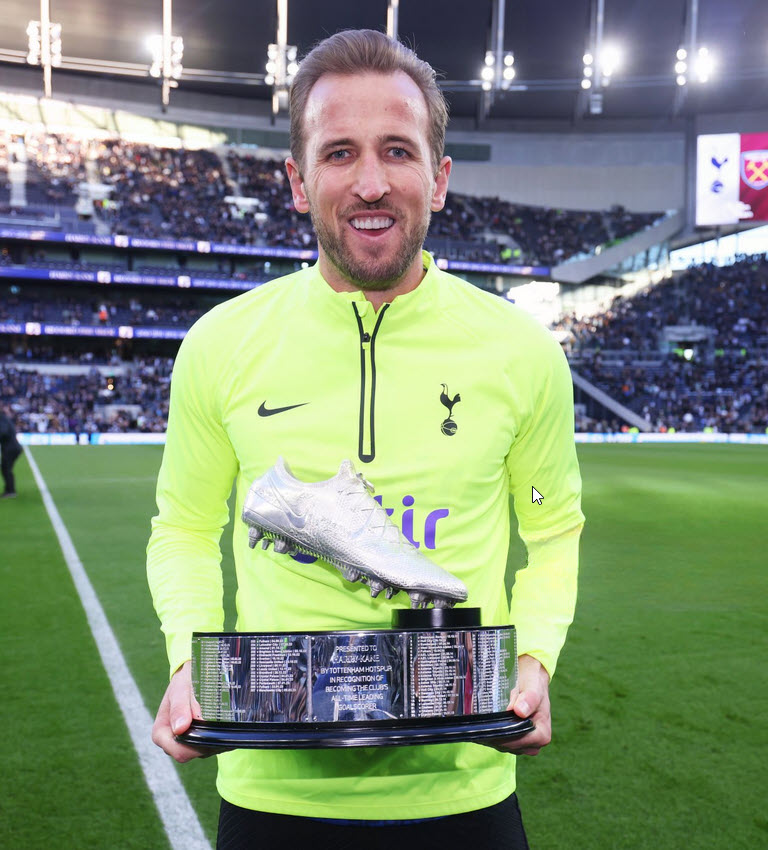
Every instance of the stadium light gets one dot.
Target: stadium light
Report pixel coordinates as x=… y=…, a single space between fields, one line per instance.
x=33 y=42
x=282 y=61
x=610 y=59
x=586 y=83
x=44 y=44
x=166 y=51
x=703 y=65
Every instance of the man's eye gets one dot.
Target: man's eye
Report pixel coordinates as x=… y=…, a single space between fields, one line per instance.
x=399 y=153
x=339 y=155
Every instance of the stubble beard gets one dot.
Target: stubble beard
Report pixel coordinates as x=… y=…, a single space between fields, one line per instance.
x=372 y=274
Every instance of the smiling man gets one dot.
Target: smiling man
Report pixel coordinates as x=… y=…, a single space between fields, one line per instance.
x=449 y=399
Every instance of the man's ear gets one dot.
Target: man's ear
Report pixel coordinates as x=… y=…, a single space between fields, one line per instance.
x=441 y=184
x=300 y=200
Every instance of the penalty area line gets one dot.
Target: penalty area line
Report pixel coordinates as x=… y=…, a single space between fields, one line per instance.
x=180 y=820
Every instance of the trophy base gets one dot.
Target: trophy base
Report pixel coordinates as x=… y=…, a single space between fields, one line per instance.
x=306 y=736
x=437 y=676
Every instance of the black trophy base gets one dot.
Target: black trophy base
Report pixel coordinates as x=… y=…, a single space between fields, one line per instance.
x=307 y=736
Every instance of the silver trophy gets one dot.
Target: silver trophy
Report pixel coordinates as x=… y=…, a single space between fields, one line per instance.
x=436 y=676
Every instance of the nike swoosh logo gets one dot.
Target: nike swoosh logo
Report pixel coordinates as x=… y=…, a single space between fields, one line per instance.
x=297 y=520
x=265 y=411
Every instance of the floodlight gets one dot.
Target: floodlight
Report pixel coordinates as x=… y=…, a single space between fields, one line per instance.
x=33 y=29
x=489 y=58
x=509 y=59
x=610 y=59
x=586 y=84
x=704 y=65
x=681 y=67
x=269 y=79
x=681 y=81
x=293 y=69
x=486 y=85
x=588 y=59
x=588 y=71
x=487 y=73
x=271 y=67
x=509 y=73
x=272 y=51
x=682 y=53
x=154 y=44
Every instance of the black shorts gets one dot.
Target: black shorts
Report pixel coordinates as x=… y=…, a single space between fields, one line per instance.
x=498 y=827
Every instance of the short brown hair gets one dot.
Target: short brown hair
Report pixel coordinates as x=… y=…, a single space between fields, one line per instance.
x=360 y=51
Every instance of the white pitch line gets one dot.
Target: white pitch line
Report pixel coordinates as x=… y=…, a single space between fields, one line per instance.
x=179 y=818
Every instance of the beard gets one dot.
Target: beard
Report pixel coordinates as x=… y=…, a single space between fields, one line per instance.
x=370 y=273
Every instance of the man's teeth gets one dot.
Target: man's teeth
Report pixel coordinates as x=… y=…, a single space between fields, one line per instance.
x=372 y=223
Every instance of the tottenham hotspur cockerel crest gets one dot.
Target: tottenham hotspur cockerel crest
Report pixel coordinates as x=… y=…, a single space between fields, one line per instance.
x=448 y=426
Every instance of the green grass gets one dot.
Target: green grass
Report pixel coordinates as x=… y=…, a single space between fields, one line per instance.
x=70 y=777
x=659 y=702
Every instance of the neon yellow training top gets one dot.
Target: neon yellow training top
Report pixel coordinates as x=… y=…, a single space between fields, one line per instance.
x=448 y=400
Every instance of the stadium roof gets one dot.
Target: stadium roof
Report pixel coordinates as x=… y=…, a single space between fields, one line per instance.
x=548 y=38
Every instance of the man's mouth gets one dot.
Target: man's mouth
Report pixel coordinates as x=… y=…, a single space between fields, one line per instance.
x=372 y=223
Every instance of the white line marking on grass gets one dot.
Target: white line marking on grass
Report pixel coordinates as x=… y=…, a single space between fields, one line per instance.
x=179 y=818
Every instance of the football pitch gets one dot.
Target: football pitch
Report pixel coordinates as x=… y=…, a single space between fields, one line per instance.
x=660 y=701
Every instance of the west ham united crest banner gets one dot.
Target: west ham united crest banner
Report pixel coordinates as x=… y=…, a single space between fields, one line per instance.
x=732 y=178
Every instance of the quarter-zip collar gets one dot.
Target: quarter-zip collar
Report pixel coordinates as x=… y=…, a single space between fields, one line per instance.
x=320 y=294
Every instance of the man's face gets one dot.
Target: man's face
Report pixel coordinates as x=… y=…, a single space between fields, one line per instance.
x=368 y=180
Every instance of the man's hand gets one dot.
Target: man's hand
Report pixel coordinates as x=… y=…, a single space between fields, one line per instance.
x=177 y=711
x=529 y=699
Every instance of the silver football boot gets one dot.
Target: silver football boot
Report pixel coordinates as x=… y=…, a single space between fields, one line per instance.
x=339 y=521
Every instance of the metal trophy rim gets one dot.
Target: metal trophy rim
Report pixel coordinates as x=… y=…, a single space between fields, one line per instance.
x=362 y=631
x=298 y=736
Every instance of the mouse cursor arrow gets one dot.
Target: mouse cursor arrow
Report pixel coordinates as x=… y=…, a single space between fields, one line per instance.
x=536 y=496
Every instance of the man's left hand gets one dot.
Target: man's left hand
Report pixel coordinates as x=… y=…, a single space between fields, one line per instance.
x=529 y=699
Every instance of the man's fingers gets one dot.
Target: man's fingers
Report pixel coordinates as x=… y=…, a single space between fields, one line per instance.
x=180 y=708
x=174 y=716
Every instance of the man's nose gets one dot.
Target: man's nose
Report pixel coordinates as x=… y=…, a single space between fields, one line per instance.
x=371 y=180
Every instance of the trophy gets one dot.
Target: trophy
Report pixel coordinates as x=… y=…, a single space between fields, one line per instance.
x=435 y=676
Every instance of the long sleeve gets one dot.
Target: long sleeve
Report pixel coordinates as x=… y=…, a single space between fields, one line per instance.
x=544 y=457
x=195 y=480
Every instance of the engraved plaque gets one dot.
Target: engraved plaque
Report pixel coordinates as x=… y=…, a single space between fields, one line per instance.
x=354 y=688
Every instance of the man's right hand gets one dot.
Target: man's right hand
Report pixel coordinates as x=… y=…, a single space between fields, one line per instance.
x=177 y=711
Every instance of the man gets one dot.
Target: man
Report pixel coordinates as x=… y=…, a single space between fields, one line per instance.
x=448 y=399
x=9 y=454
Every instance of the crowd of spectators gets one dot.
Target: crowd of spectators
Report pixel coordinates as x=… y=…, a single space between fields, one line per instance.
x=731 y=301
x=551 y=236
x=718 y=382
x=66 y=309
x=168 y=192
x=163 y=191
x=55 y=167
x=86 y=403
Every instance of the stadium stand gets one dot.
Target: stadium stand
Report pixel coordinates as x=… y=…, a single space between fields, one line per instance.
x=717 y=378
x=236 y=198
x=161 y=192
